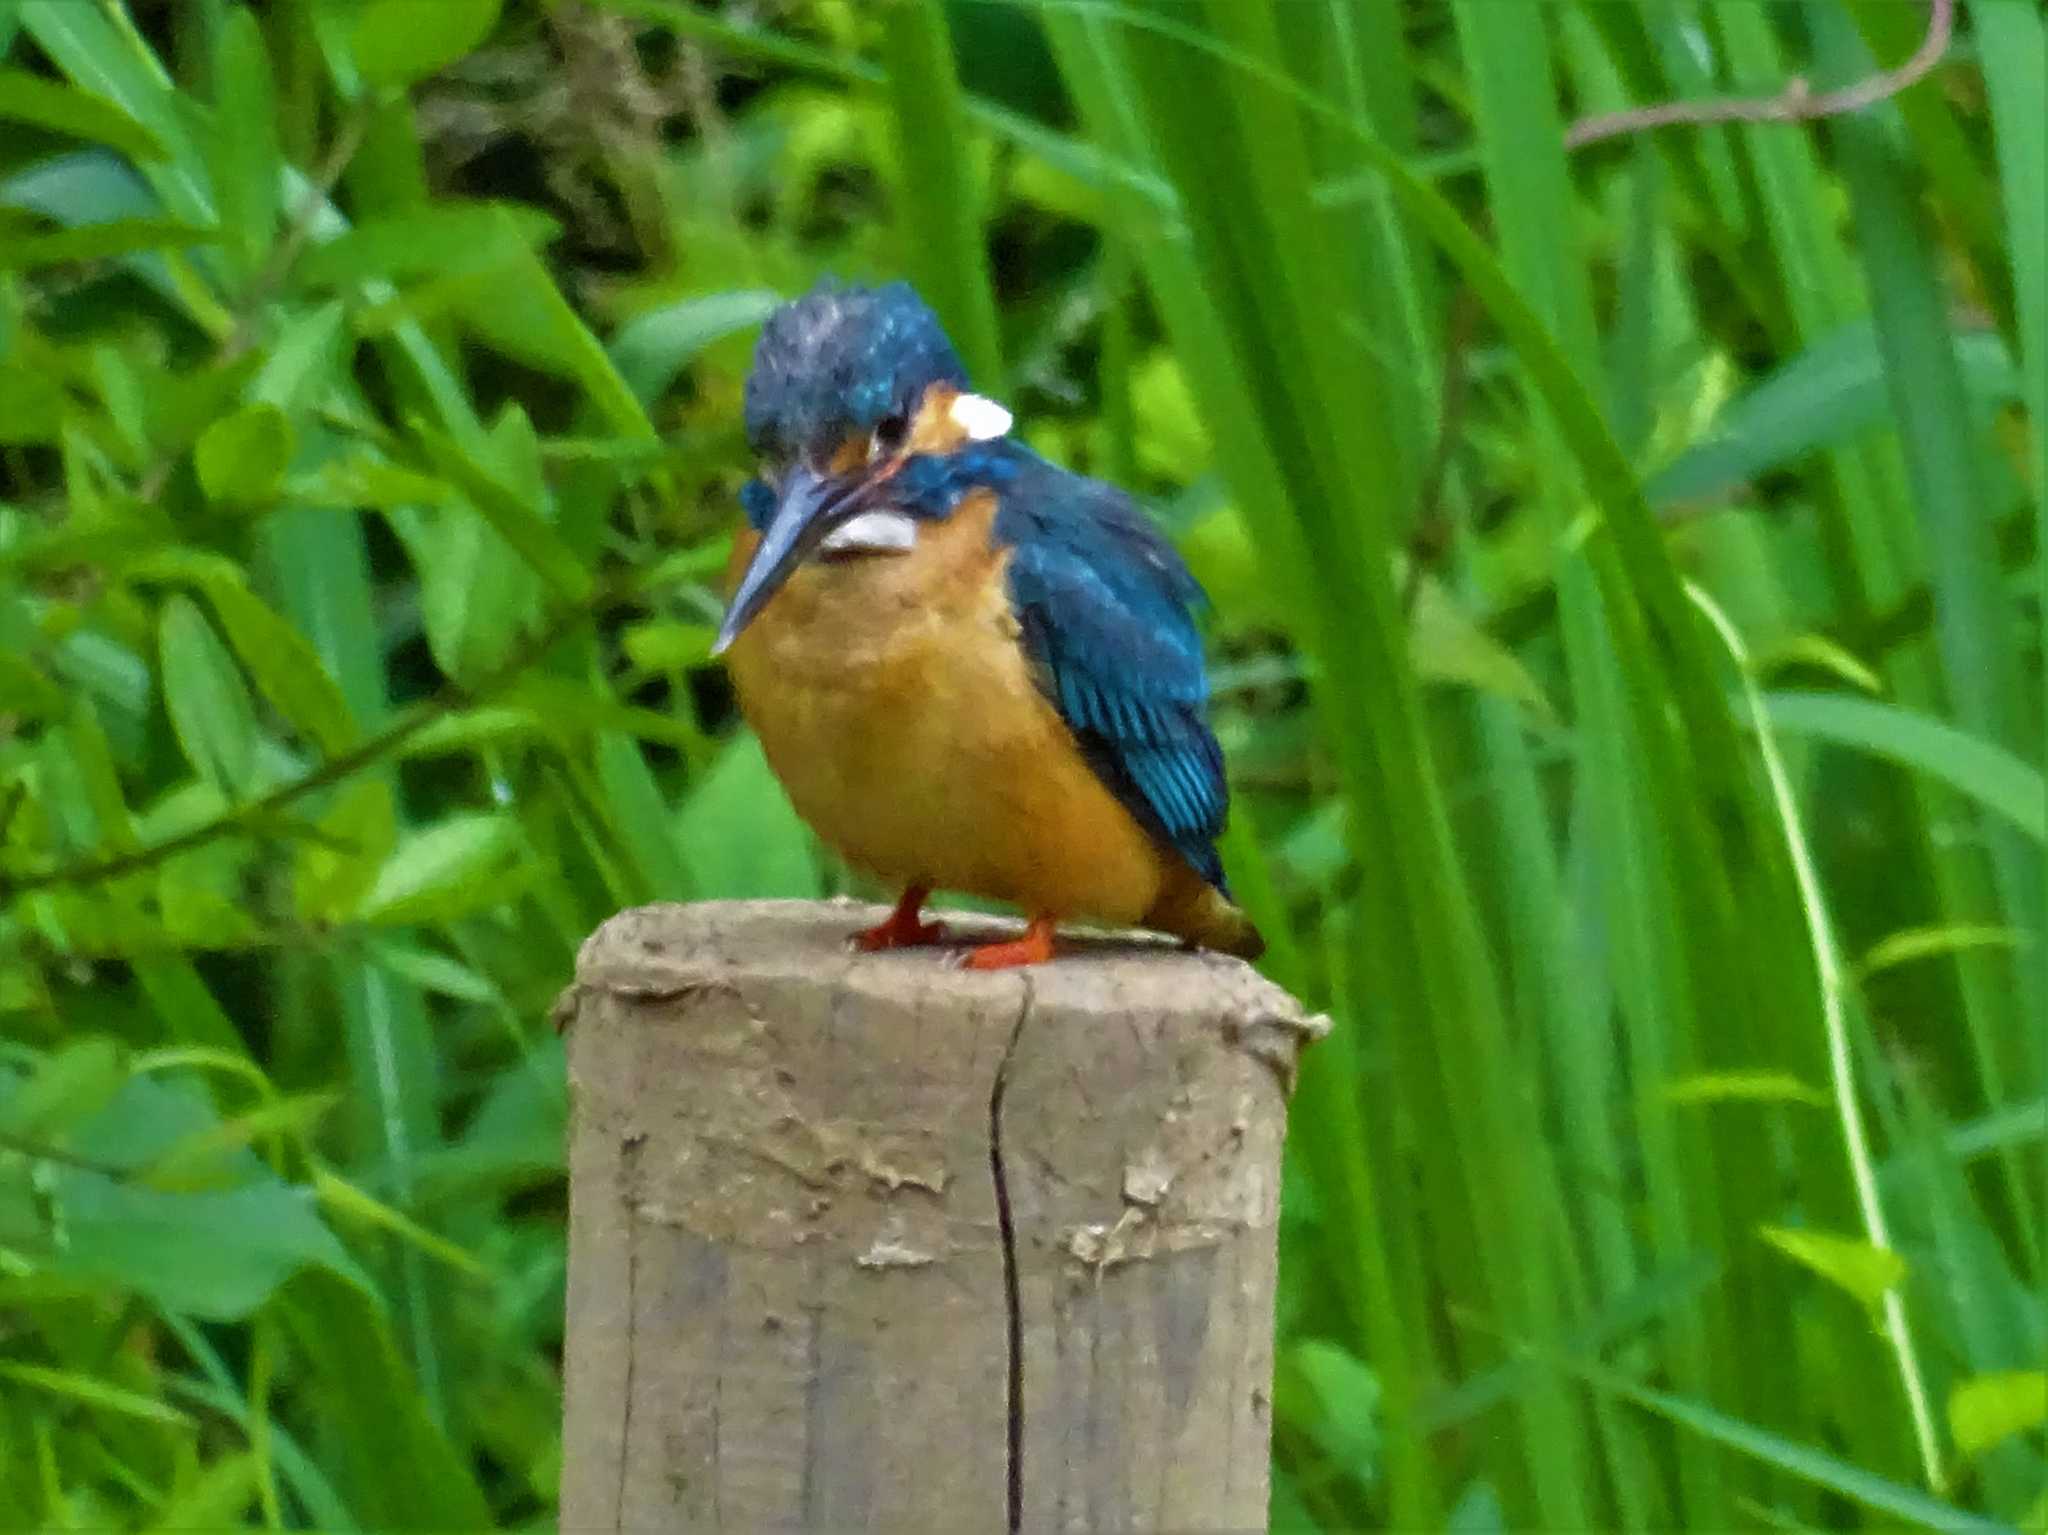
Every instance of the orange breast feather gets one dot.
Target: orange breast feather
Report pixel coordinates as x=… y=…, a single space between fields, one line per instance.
x=898 y=708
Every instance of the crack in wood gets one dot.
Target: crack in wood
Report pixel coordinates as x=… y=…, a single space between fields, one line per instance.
x=632 y=1353
x=1013 y=1303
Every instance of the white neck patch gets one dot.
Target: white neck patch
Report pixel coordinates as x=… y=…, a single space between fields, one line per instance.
x=878 y=532
x=980 y=417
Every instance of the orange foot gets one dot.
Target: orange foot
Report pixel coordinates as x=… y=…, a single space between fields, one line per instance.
x=1034 y=948
x=903 y=927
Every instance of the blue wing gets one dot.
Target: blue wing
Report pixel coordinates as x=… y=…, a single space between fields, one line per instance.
x=1104 y=603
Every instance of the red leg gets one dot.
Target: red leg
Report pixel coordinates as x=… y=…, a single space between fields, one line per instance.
x=1034 y=948
x=903 y=927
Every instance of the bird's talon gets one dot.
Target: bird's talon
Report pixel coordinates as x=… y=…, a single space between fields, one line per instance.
x=1034 y=948
x=888 y=935
x=903 y=928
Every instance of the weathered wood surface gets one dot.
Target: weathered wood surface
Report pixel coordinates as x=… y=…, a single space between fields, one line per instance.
x=789 y=1305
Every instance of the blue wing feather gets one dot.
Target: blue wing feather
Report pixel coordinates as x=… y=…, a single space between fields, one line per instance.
x=1105 y=604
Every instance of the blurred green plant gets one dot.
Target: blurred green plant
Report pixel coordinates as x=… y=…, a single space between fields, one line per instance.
x=369 y=381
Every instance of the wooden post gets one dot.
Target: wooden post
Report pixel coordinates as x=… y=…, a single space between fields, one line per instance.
x=871 y=1242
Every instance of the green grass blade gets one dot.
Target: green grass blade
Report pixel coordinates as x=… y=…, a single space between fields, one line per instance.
x=939 y=194
x=1807 y=1464
x=1944 y=451
x=2014 y=54
x=1983 y=772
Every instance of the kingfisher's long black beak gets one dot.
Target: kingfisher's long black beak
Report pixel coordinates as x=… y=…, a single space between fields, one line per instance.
x=810 y=507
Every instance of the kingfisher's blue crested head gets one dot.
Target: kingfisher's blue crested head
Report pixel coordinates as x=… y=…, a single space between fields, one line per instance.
x=849 y=384
x=839 y=362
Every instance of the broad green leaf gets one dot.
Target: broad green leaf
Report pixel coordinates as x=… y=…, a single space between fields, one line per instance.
x=652 y=348
x=569 y=708
x=491 y=599
x=218 y=1254
x=638 y=824
x=301 y=361
x=41 y=103
x=436 y=972
x=201 y=903
x=737 y=834
x=102 y=53
x=440 y=240
x=1329 y=1393
x=523 y=314
x=1447 y=646
x=66 y=1087
x=1172 y=442
x=400 y=42
x=467 y=730
x=207 y=1156
x=339 y=862
x=23 y=250
x=1852 y=1264
x=515 y=1138
x=453 y=866
x=243 y=456
x=668 y=646
x=243 y=150
x=30 y=411
x=284 y=665
x=1744 y=1087
x=361 y=479
x=90 y=1391
x=1287 y=1513
x=216 y=1499
x=209 y=704
x=155 y=1110
x=1986 y=1410
x=514 y=516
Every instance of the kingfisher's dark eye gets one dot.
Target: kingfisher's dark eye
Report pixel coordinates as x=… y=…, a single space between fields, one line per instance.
x=891 y=432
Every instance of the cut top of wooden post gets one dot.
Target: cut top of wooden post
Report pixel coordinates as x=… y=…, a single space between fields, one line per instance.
x=873 y=1241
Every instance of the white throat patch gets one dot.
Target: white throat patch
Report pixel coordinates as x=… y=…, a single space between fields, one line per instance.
x=878 y=532
x=980 y=417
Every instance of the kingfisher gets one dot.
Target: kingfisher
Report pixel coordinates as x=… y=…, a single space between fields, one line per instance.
x=971 y=669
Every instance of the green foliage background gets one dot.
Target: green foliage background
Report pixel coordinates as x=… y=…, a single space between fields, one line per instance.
x=1627 y=639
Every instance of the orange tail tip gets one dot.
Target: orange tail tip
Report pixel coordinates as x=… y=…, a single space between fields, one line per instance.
x=1230 y=931
x=1197 y=911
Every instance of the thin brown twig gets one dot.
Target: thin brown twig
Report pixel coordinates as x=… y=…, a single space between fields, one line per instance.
x=1796 y=103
